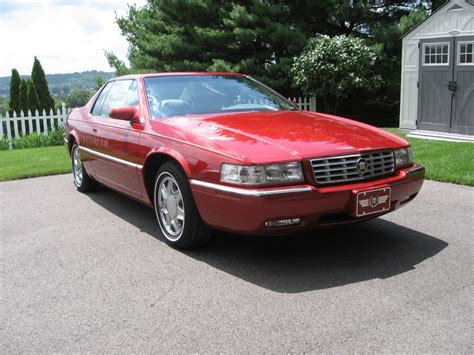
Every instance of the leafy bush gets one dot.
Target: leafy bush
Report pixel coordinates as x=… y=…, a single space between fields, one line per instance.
x=29 y=141
x=55 y=137
x=35 y=140
x=333 y=67
x=4 y=144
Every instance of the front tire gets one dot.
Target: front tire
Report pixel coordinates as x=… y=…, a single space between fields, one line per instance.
x=176 y=210
x=82 y=180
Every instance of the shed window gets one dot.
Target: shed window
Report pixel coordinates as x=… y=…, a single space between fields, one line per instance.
x=436 y=54
x=466 y=53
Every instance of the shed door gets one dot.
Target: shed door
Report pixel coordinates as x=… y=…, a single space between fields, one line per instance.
x=446 y=85
x=463 y=101
x=434 y=96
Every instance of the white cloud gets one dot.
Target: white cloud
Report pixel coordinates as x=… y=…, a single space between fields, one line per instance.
x=65 y=35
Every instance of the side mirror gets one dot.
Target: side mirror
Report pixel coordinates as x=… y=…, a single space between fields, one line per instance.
x=127 y=113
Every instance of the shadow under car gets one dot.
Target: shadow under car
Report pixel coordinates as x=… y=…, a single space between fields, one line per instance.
x=376 y=249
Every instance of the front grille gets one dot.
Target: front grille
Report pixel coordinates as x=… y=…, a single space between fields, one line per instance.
x=336 y=170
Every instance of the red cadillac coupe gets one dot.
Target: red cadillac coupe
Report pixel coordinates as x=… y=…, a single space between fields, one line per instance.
x=223 y=151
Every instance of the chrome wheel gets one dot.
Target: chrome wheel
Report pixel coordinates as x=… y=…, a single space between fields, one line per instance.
x=169 y=204
x=175 y=209
x=77 y=166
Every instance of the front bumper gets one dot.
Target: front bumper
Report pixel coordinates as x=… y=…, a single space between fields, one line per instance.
x=243 y=210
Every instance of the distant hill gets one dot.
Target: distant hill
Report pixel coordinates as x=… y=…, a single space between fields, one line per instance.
x=61 y=84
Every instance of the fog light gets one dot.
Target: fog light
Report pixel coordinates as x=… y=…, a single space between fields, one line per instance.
x=408 y=198
x=283 y=222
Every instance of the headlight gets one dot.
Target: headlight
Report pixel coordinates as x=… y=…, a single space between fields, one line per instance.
x=262 y=174
x=403 y=157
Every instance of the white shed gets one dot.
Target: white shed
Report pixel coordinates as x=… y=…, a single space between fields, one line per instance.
x=437 y=84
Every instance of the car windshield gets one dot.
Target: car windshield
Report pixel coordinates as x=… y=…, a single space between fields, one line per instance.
x=200 y=94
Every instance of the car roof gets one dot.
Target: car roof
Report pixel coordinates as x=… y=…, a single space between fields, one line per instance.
x=152 y=75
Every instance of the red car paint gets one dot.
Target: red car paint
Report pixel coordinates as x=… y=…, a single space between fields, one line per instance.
x=117 y=153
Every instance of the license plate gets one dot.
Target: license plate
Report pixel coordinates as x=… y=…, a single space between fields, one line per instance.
x=373 y=201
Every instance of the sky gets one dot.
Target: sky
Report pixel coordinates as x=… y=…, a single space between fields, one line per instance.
x=66 y=35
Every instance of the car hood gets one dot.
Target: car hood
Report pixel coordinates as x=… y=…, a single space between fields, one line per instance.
x=260 y=137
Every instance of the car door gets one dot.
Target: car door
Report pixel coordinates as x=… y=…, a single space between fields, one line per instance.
x=114 y=143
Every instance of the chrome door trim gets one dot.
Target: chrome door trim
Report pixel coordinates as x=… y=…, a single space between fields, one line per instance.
x=111 y=158
x=251 y=192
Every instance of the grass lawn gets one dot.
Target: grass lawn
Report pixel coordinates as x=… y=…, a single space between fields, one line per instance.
x=25 y=163
x=444 y=161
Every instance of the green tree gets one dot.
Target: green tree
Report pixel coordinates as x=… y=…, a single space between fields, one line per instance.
x=409 y=21
x=4 y=104
x=15 y=92
x=332 y=67
x=252 y=36
x=38 y=78
x=119 y=66
x=99 y=82
x=23 y=96
x=32 y=100
x=255 y=37
x=78 y=97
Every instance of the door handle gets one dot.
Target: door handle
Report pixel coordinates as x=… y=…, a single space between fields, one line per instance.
x=94 y=130
x=452 y=86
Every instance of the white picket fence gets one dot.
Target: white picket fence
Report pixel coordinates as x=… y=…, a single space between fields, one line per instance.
x=13 y=126
x=305 y=103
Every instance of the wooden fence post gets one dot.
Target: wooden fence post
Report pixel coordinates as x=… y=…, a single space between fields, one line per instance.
x=312 y=103
x=9 y=132
x=30 y=123
x=1 y=125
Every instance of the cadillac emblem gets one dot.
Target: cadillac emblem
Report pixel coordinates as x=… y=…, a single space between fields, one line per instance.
x=362 y=166
x=374 y=201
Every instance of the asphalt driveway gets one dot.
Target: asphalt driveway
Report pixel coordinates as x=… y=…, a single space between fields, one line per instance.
x=86 y=273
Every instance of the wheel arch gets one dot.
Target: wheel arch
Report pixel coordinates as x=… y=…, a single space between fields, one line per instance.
x=71 y=138
x=154 y=160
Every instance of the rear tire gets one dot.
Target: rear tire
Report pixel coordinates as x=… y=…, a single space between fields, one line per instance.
x=176 y=211
x=82 y=180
